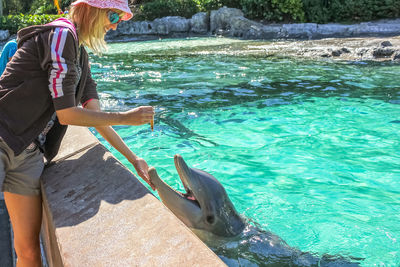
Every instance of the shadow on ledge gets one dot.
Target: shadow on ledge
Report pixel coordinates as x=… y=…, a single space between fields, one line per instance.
x=76 y=186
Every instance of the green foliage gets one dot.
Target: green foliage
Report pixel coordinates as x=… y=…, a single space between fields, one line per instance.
x=47 y=6
x=64 y=4
x=38 y=7
x=16 y=6
x=162 y=8
x=43 y=7
x=322 y=11
x=207 y=5
x=13 y=23
x=273 y=10
x=317 y=10
x=364 y=10
x=150 y=10
x=277 y=10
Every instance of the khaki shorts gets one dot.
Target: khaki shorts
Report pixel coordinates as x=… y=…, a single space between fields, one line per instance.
x=20 y=174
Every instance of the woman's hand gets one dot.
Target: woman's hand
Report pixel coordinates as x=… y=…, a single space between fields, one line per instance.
x=142 y=170
x=138 y=116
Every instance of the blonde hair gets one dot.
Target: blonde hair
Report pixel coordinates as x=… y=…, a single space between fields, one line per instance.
x=90 y=26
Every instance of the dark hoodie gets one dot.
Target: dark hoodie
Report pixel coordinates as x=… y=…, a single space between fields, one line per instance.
x=48 y=72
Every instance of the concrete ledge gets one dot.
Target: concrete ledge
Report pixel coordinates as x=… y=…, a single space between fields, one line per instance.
x=96 y=213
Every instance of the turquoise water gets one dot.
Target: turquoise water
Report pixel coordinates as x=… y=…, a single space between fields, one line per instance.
x=307 y=150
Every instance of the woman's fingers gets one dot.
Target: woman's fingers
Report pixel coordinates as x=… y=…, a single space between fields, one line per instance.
x=140 y=115
x=142 y=170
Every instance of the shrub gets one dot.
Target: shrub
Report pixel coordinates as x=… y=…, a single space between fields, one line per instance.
x=15 y=22
x=273 y=10
x=150 y=10
x=364 y=10
x=16 y=6
x=43 y=7
x=317 y=11
x=163 y=8
x=207 y=5
x=47 y=6
x=322 y=11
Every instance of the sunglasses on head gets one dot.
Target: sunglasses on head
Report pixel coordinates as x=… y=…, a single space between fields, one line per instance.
x=114 y=17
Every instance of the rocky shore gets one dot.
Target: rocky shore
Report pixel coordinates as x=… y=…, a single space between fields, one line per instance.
x=353 y=49
x=378 y=40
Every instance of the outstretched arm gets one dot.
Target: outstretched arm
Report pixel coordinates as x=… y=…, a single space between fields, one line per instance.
x=92 y=116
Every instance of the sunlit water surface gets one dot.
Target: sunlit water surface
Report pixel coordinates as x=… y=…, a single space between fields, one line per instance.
x=307 y=150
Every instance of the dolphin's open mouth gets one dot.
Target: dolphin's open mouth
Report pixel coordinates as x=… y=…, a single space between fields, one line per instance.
x=205 y=204
x=172 y=197
x=183 y=172
x=189 y=196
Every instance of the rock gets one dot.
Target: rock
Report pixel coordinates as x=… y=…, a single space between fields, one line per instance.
x=396 y=56
x=231 y=22
x=247 y=29
x=386 y=44
x=160 y=28
x=345 y=50
x=299 y=30
x=132 y=28
x=222 y=18
x=381 y=28
x=163 y=26
x=199 y=23
x=332 y=30
x=220 y=32
x=361 y=51
x=336 y=53
x=171 y=24
x=4 y=35
x=382 y=52
x=140 y=27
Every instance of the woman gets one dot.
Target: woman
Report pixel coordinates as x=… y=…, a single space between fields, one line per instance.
x=40 y=89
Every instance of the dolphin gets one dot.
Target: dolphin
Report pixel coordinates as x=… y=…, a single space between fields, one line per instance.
x=206 y=208
x=205 y=205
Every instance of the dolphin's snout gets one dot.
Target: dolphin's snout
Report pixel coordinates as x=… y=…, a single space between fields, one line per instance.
x=180 y=164
x=183 y=170
x=152 y=173
x=154 y=178
x=177 y=158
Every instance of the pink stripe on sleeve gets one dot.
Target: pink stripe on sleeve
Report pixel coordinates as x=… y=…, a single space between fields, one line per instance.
x=59 y=68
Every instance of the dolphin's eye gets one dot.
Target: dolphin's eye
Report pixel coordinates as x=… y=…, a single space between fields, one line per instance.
x=210 y=219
